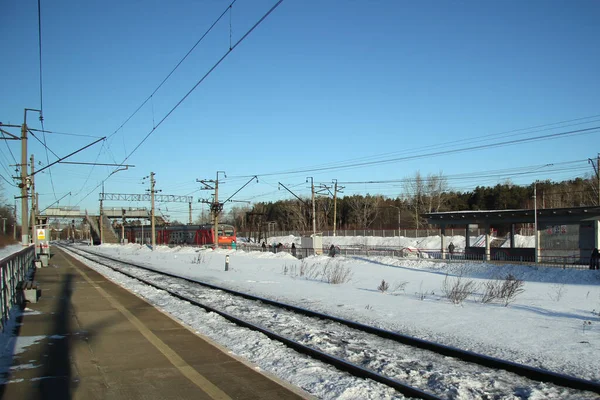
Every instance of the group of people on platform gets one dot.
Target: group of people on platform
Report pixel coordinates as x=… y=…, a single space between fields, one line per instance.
x=594 y=257
x=277 y=247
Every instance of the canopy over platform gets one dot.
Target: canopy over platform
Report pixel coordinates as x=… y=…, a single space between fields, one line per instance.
x=570 y=215
x=564 y=235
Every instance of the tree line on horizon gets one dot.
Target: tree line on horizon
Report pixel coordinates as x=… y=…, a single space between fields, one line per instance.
x=422 y=195
x=7 y=220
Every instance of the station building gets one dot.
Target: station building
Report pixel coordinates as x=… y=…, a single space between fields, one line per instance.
x=562 y=235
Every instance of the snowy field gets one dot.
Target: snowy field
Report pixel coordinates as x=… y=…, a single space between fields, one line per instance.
x=553 y=324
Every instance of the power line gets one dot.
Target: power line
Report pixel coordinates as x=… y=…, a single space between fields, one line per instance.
x=194 y=87
x=65 y=133
x=10 y=151
x=478 y=138
x=203 y=78
x=40 y=54
x=502 y=173
x=491 y=176
x=173 y=70
x=437 y=153
x=42 y=94
x=44 y=145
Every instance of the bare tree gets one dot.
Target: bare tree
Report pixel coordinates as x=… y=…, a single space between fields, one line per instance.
x=436 y=186
x=415 y=193
x=425 y=194
x=237 y=215
x=294 y=216
x=325 y=204
x=365 y=209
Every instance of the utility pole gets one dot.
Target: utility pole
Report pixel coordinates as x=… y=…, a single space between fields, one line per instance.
x=25 y=182
x=217 y=209
x=190 y=213
x=535 y=230
x=123 y=226
x=336 y=189
x=596 y=169
x=101 y=216
x=312 y=190
x=152 y=183
x=33 y=211
x=215 y=206
x=15 y=221
x=334 y=205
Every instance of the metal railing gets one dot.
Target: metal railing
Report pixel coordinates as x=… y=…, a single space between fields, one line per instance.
x=410 y=233
x=554 y=261
x=14 y=269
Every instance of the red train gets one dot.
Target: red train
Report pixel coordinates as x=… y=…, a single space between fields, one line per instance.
x=182 y=235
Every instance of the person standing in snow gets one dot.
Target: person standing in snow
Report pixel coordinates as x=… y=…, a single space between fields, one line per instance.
x=594 y=259
x=332 y=251
x=264 y=246
x=451 y=249
x=294 y=249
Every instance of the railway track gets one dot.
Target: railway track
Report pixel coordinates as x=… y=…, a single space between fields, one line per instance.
x=413 y=367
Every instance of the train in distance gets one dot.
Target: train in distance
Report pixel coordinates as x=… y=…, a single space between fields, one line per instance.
x=198 y=235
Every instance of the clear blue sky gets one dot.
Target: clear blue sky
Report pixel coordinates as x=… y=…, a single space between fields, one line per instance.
x=316 y=85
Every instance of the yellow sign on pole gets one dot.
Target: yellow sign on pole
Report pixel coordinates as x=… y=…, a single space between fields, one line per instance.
x=41 y=234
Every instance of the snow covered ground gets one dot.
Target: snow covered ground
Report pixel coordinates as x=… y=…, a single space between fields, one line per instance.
x=553 y=324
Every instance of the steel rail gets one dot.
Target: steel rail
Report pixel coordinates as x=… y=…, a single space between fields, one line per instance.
x=340 y=364
x=533 y=373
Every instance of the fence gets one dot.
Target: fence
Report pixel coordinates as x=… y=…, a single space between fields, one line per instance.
x=411 y=233
x=13 y=269
x=499 y=255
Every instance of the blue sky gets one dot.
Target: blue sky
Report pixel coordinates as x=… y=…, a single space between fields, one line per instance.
x=316 y=85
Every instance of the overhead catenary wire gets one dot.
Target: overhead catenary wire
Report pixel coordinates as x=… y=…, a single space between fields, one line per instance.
x=481 y=176
x=173 y=70
x=476 y=139
x=43 y=143
x=435 y=153
x=42 y=95
x=502 y=173
x=65 y=133
x=195 y=86
x=203 y=78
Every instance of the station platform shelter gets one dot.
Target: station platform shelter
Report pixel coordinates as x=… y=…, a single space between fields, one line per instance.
x=87 y=338
x=561 y=235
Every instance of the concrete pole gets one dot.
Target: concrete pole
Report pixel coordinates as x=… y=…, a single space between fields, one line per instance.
x=535 y=224
x=216 y=213
x=153 y=227
x=123 y=226
x=31 y=159
x=190 y=213
x=24 y=206
x=101 y=216
x=487 y=243
x=334 y=206
x=15 y=221
x=314 y=220
x=399 y=235
x=443 y=241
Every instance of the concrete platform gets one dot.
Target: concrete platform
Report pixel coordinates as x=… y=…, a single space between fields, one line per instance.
x=91 y=339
